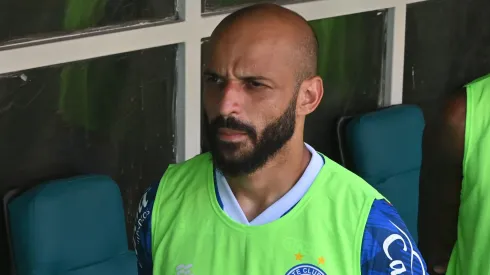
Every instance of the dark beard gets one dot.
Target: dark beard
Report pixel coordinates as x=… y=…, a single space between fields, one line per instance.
x=273 y=138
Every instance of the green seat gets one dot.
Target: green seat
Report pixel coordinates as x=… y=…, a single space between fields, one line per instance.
x=385 y=149
x=70 y=226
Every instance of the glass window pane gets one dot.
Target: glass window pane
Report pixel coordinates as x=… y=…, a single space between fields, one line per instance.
x=350 y=63
x=223 y=5
x=31 y=18
x=112 y=115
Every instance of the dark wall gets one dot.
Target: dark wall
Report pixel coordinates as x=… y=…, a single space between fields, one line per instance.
x=447 y=46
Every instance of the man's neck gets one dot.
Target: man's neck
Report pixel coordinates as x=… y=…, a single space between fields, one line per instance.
x=258 y=191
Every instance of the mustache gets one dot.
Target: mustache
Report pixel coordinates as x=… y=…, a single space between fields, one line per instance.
x=233 y=124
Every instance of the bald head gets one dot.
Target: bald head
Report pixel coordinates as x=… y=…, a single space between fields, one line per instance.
x=260 y=82
x=279 y=25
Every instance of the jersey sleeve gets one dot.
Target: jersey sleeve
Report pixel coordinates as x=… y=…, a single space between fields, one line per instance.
x=142 y=231
x=387 y=247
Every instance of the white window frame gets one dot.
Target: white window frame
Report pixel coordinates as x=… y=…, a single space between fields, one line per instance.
x=188 y=33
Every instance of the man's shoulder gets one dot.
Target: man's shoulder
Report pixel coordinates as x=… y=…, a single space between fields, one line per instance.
x=387 y=244
x=344 y=178
x=142 y=225
x=191 y=164
x=145 y=205
x=184 y=175
x=455 y=109
x=198 y=159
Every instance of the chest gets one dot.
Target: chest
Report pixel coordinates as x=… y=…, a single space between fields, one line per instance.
x=210 y=247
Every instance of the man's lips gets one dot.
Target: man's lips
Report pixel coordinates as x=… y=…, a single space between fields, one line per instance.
x=231 y=135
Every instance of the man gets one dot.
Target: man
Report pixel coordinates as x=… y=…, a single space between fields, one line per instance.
x=454 y=205
x=263 y=201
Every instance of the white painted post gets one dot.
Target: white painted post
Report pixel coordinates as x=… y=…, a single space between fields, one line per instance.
x=392 y=88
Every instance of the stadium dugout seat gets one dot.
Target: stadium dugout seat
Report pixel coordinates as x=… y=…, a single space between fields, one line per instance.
x=385 y=149
x=70 y=226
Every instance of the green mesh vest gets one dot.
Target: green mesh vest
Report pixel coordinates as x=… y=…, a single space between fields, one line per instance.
x=471 y=253
x=321 y=235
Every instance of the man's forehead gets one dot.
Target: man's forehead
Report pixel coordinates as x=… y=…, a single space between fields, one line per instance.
x=264 y=56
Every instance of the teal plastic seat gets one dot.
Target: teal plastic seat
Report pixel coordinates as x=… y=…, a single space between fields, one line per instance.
x=385 y=149
x=72 y=226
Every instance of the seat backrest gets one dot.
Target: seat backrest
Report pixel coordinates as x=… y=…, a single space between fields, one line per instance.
x=9 y=260
x=386 y=151
x=66 y=224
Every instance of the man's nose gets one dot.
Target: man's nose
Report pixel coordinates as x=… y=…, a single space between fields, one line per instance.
x=232 y=97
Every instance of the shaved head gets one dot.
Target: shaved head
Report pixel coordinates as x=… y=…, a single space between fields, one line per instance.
x=281 y=21
x=259 y=84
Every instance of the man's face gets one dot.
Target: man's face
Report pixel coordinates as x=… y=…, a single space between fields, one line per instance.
x=250 y=99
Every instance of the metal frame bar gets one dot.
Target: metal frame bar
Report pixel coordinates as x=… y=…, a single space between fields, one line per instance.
x=394 y=57
x=188 y=33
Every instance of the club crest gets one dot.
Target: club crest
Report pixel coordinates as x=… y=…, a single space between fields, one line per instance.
x=306 y=269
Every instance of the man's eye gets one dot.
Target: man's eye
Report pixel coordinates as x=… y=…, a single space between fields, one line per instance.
x=214 y=79
x=255 y=84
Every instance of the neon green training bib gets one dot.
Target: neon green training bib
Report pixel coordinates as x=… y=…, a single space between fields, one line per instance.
x=321 y=235
x=471 y=253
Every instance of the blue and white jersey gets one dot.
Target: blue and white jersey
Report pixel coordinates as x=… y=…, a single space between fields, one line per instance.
x=387 y=247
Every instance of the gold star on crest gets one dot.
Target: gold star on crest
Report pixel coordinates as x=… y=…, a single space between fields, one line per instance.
x=298 y=256
x=321 y=260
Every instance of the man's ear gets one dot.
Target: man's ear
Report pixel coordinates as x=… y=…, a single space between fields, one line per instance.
x=310 y=95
